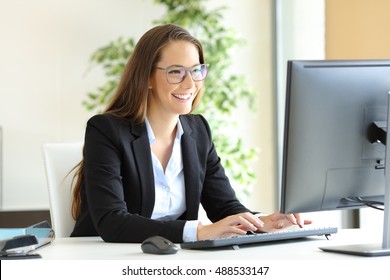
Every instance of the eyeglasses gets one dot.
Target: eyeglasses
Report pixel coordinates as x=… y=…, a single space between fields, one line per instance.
x=176 y=74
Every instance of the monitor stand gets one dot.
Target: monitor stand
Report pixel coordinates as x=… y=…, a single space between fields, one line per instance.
x=377 y=249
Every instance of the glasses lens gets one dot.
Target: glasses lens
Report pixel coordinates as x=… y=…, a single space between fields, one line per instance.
x=199 y=72
x=175 y=74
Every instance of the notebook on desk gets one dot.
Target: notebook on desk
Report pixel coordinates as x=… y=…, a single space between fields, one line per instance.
x=259 y=238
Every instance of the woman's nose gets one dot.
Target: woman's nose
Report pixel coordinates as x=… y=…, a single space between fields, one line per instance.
x=188 y=82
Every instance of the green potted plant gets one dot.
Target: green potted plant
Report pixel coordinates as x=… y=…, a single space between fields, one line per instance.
x=223 y=90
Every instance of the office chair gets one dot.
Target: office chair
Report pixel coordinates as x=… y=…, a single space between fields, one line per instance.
x=59 y=159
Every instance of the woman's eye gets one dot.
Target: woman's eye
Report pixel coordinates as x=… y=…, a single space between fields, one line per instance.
x=174 y=72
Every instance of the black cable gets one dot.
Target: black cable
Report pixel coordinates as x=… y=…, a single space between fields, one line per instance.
x=368 y=203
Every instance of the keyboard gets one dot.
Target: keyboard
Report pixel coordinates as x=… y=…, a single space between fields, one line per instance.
x=253 y=238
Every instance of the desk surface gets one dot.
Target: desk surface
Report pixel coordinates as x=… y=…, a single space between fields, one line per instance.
x=94 y=248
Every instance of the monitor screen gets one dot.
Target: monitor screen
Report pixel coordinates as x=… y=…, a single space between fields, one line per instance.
x=332 y=156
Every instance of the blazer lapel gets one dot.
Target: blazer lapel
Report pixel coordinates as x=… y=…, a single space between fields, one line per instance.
x=142 y=155
x=142 y=152
x=191 y=171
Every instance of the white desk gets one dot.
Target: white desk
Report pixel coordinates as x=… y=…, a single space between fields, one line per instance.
x=92 y=258
x=94 y=248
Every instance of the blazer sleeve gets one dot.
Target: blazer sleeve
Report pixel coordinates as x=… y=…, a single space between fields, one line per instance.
x=217 y=196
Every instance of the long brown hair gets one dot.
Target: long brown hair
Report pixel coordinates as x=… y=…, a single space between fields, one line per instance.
x=130 y=99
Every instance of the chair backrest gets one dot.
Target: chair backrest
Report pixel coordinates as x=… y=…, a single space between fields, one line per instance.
x=59 y=159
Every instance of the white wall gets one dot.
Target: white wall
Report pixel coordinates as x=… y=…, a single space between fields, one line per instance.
x=44 y=52
x=300 y=34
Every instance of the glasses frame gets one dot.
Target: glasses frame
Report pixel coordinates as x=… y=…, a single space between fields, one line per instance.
x=186 y=69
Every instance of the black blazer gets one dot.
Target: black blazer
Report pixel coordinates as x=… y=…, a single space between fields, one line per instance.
x=118 y=188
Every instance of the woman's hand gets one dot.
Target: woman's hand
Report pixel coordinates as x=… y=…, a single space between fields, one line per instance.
x=277 y=221
x=242 y=223
x=230 y=226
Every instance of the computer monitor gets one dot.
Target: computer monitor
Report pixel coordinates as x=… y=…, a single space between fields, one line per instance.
x=334 y=149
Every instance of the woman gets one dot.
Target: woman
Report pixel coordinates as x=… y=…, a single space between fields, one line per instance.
x=148 y=163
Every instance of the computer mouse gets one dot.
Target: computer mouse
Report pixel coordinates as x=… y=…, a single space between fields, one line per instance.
x=158 y=245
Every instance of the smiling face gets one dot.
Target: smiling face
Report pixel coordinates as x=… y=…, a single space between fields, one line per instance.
x=168 y=100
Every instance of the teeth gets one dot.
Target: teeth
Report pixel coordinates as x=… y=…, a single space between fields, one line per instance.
x=182 y=96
